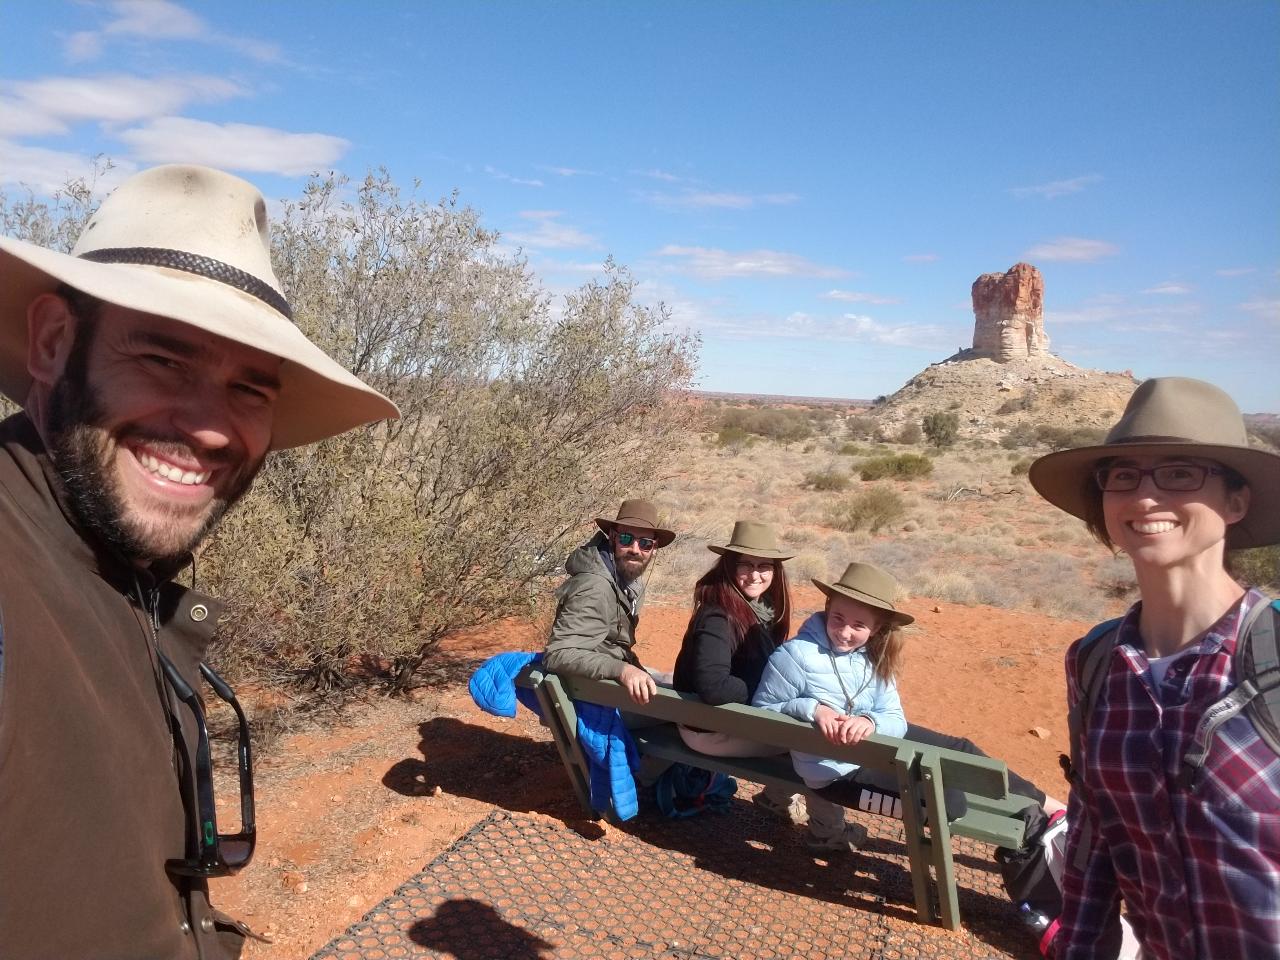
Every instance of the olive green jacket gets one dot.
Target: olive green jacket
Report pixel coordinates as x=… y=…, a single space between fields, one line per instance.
x=594 y=632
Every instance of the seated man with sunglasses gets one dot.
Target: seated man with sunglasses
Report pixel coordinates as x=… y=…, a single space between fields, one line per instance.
x=157 y=365
x=594 y=632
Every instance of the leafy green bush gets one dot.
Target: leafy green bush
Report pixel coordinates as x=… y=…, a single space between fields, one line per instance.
x=826 y=480
x=941 y=428
x=1065 y=438
x=735 y=438
x=860 y=428
x=873 y=508
x=773 y=423
x=902 y=466
x=852 y=450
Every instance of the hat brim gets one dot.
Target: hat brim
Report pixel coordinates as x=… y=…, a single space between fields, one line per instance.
x=759 y=552
x=1061 y=479
x=895 y=616
x=664 y=537
x=318 y=398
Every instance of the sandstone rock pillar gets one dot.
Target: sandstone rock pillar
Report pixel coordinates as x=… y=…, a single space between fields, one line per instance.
x=1008 y=312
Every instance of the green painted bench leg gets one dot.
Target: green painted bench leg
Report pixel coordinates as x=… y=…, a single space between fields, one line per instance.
x=913 y=828
x=558 y=712
x=940 y=839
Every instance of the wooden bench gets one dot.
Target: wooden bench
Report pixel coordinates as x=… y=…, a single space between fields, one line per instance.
x=923 y=772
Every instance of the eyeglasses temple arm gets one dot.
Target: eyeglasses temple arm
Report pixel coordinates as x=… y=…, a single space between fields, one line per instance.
x=245 y=752
x=204 y=761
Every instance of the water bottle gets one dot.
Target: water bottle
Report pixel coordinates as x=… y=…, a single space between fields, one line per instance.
x=1034 y=920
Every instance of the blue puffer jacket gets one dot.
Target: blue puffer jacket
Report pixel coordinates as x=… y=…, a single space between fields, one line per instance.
x=802 y=674
x=611 y=754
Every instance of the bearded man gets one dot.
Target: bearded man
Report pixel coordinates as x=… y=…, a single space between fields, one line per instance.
x=598 y=607
x=157 y=365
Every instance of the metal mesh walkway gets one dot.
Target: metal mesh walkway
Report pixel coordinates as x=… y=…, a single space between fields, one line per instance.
x=736 y=885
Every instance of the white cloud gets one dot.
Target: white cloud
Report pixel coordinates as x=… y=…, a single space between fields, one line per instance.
x=237 y=146
x=1235 y=271
x=1071 y=249
x=1057 y=188
x=44 y=171
x=116 y=98
x=853 y=296
x=711 y=263
x=83 y=45
x=1266 y=309
x=659 y=175
x=1112 y=309
x=570 y=172
x=548 y=233
x=503 y=175
x=161 y=20
x=704 y=199
x=1169 y=287
x=920 y=257
x=20 y=119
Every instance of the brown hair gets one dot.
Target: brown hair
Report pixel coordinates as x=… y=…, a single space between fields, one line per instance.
x=885 y=646
x=717 y=587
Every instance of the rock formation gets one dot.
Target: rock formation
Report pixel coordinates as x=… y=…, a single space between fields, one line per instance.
x=1008 y=312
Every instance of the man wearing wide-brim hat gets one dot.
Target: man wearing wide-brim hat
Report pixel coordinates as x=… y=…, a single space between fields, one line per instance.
x=157 y=365
x=598 y=607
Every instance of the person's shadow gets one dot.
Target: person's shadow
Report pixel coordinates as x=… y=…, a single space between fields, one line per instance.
x=473 y=930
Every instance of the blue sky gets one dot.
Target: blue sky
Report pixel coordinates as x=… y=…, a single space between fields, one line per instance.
x=812 y=186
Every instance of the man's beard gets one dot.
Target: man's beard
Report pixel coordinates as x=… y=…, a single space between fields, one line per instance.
x=630 y=568
x=84 y=455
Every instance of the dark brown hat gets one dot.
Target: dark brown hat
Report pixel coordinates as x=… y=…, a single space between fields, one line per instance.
x=1170 y=417
x=640 y=514
x=869 y=585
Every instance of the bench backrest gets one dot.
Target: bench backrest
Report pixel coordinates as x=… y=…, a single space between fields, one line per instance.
x=981 y=776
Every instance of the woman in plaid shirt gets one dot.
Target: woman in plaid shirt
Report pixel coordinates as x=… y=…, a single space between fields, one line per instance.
x=1197 y=864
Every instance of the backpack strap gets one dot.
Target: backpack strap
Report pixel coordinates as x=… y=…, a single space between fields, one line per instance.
x=1257 y=689
x=1092 y=660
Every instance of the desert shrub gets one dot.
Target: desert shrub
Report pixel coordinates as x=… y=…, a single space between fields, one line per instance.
x=901 y=466
x=860 y=428
x=520 y=422
x=826 y=480
x=873 y=508
x=772 y=423
x=1022 y=435
x=852 y=450
x=1064 y=438
x=1258 y=567
x=941 y=428
x=1022 y=467
x=910 y=434
x=1016 y=404
x=954 y=405
x=735 y=438
x=1068 y=395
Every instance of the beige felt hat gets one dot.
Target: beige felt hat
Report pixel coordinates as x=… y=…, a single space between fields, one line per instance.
x=869 y=585
x=193 y=245
x=1170 y=417
x=753 y=539
x=640 y=514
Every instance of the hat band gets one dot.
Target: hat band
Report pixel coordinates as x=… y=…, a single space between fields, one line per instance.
x=199 y=265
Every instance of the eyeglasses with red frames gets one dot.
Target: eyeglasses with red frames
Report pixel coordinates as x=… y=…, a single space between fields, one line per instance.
x=644 y=543
x=216 y=854
x=1170 y=477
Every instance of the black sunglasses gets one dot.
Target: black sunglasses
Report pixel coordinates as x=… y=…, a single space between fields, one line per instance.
x=644 y=543
x=218 y=855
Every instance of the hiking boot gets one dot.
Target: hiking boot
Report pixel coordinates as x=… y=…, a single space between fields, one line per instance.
x=850 y=838
x=792 y=811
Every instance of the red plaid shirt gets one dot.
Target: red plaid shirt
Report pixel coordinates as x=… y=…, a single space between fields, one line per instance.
x=1198 y=869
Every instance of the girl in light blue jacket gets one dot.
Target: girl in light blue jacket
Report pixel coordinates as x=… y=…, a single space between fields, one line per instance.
x=838 y=673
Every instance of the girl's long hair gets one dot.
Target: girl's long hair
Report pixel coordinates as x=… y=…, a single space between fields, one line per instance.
x=717 y=587
x=885 y=651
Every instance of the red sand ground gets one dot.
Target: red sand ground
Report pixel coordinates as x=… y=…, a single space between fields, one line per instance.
x=347 y=815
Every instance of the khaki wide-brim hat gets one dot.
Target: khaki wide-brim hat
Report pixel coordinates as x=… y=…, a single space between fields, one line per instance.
x=869 y=585
x=193 y=245
x=1172 y=417
x=640 y=515
x=753 y=539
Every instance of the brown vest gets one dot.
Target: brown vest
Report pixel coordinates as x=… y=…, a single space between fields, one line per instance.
x=91 y=802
